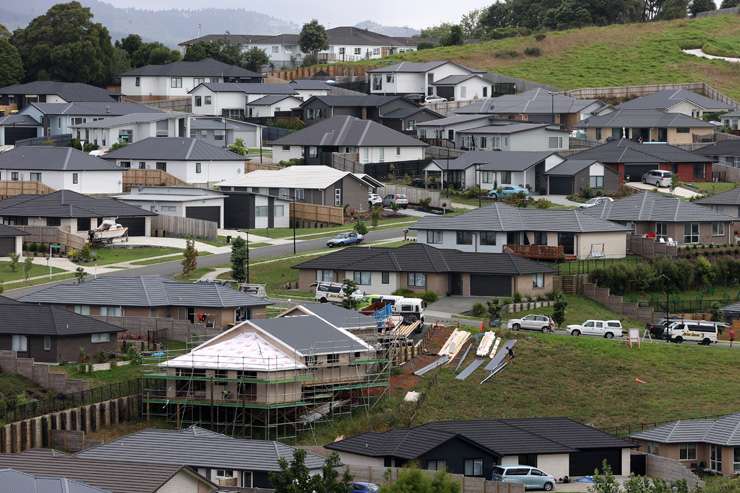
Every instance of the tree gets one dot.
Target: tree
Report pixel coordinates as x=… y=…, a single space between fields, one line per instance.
x=239 y=259
x=120 y=62
x=80 y=275
x=360 y=227
x=438 y=32
x=413 y=480
x=470 y=24
x=697 y=6
x=27 y=267
x=559 y=308
x=4 y=33
x=238 y=147
x=348 y=290
x=294 y=476
x=455 y=36
x=375 y=216
x=190 y=257
x=493 y=307
x=11 y=65
x=153 y=54
x=728 y=4
x=65 y=44
x=254 y=58
x=313 y=38
x=219 y=49
x=13 y=265
x=130 y=44
x=604 y=481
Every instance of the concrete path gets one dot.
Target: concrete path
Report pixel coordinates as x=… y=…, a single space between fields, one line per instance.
x=681 y=192
x=700 y=53
x=458 y=205
x=558 y=200
x=174 y=243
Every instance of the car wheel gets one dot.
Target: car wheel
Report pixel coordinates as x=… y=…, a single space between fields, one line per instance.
x=494 y=196
x=609 y=335
x=516 y=326
x=545 y=329
x=576 y=333
x=322 y=300
x=548 y=486
x=706 y=342
x=678 y=340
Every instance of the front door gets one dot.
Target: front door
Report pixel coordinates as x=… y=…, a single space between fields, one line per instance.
x=456 y=284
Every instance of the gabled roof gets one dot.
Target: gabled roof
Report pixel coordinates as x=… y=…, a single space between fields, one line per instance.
x=10 y=231
x=310 y=85
x=16 y=481
x=724 y=431
x=538 y=101
x=39 y=320
x=510 y=128
x=729 y=147
x=69 y=91
x=416 y=257
x=419 y=67
x=495 y=160
x=131 y=118
x=248 y=87
x=654 y=207
x=453 y=80
x=454 y=120
x=197 y=447
x=366 y=100
x=173 y=149
x=219 y=123
x=19 y=120
x=314 y=177
x=50 y=158
x=348 y=131
x=272 y=99
x=663 y=100
x=336 y=315
x=66 y=203
x=208 y=67
x=621 y=118
x=730 y=197
x=342 y=35
x=400 y=113
x=145 y=291
x=504 y=218
x=92 y=109
x=629 y=152
x=570 y=167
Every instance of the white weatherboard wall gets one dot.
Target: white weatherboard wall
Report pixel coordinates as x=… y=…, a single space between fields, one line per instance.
x=407 y=83
x=449 y=240
x=210 y=172
x=280 y=153
x=161 y=85
x=88 y=182
x=182 y=482
x=219 y=101
x=390 y=154
x=557 y=465
x=282 y=220
x=472 y=89
x=626 y=462
x=268 y=111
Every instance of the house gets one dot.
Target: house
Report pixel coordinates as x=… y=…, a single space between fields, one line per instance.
x=109 y=476
x=346 y=44
x=61 y=168
x=73 y=213
x=577 y=175
x=176 y=79
x=446 y=128
x=20 y=481
x=667 y=217
x=492 y=169
x=500 y=228
x=223 y=460
x=712 y=444
x=254 y=210
x=11 y=241
x=558 y=446
x=681 y=101
x=338 y=316
x=268 y=106
x=223 y=132
x=725 y=152
x=421 y=267
x=195 y=203
x=193 y=161
x=321 y=185
x=17 y=127
x=725 y=203
x=365 y=140
x=131 y=128
x=536 y=105
x=731 y=120
x=417 y=78
x=631 y=160
x=462 y=87
x=51 y=334
x=155 y=297
x=17 y=96
x=647 y=126
x=513 y=136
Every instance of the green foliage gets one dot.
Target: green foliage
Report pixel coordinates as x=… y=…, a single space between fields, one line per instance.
x=494 y=307
x=454 y=37
x=295 y=477
x=313 y=38
x=254 y=58
x=239 y=259
x=13 y=265
x=478 y=309
x=429 y=296
x=138 y=53
x=360 y=227
x=348 y=289
x=559 y=309
x=604 y=481
x=80 y=275
x=438 y=33
x=238 y=147
x=728 y=4
x=11 y=64
x=78 y=145
x=375 y=214
x=221 y=50
x=517 y=298
x=118 y=145
x=82 y=256
x=532 y=51
x=27 y=266
x=413 y=480
x=190 y=258
x=698 y=6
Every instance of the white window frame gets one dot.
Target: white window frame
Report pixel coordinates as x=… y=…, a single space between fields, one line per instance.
x=323 y=275
x=338 y=197
x=476 y=466
x=692 y=237
x=362 y=278
x=435 y=237
x=47 y=343
x=175 y=82
x=19 y=343
x=111 y=311
x=718 y=229
x=198 y=168
x=715 y=458
x=416 y=279
x=82 y=309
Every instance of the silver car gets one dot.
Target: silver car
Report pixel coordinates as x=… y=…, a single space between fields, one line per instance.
x=531 y=477
x=658 y=178
x=531 y=322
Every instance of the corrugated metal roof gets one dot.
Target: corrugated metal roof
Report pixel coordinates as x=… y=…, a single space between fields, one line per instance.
x=654 y=207
x=316 y=177
x=537 y=101
x=352 y=101
x=49 y=158
x=114 y=121
x=13 y=481
x=272 y=99
x=662 y=100
x=720 y=431
x=495 y=160
x=310 y=335
x=208 y=67
x=248 y=87
x=454 y=120
x=173 y=149
x=627 y=151
x=348 y=131
x=69 y=91
x=452 y=80
x=730 y=197
x=66 y=203
x=219 y=123
x=642 y=118
x=86 y=108
x=410 y=67
x=511 y=128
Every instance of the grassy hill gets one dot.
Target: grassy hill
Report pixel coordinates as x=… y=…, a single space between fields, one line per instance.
x=609 y=56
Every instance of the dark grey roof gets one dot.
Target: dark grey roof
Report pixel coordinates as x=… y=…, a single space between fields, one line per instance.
x=35 y=320
x=510 y=128
x=310 y=85
x=729 y=147
x=503 y=217
x=270 y=99
x=93 y=109
x=453 y=120
x=19 y=120
x=665 y=99
x=69 y=91
x=629 y=152
x=570 y=167
x=49 y=158
x=218 y=123
x=373 y=100
x=495 y=160
x=346 y=35
x=731 y=308
x=452 y=80
x=248 y=87
x=348 y=131
x=66 y=203
x=20 y=482
x=310 y=335
x=536 y=101
x=733 y=114
x=173 y=149
x=197 y=447
x=147 y=291
x=10 y=231
x=400 y=113
x=417 y=257
x=642 y=118
x=730 y=197
x=654 y=207
x=719 y=431
x=114 y=121
x=336 y=315
x=208 y=67
x=417 y=67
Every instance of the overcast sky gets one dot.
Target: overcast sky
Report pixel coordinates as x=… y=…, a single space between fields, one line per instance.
x=413 y=13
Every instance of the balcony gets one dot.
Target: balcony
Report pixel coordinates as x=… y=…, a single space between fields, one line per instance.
x=540 y=252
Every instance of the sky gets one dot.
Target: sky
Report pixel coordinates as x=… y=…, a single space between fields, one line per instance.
x=331 y=13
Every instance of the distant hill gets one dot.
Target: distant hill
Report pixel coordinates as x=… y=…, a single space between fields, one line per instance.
x=402 y=31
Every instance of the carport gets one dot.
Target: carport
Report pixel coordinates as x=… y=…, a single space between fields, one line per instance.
x=10 y=240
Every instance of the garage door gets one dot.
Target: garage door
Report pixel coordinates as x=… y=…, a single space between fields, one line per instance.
x=635 y=171
x=210 y=213
x=490 y=285
x=561 y=185
x=584 y=463
x=7 y=246
x=13 y=134
x=136 y=225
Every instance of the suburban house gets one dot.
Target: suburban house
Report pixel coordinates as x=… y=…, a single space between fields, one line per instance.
x=446 y=128
x=463 y=87
x=195 y=203
x=11 y=240
x=230 y=99
x=269 y=106
x=547 y=234
x=364 y=140
x=490 y=170
x=536 y=105
x=647 y=126
x=725 y=203
x=667 y=218
x=18 y=96
x=254 y=210
x=417 y=78
x=127 y=129
x=223 y=132
x=557 y=446
x=513 y=136
x=577 y=175
x=731 y=120
x=338 y=316
x=52 y=334
x=20 y=481
x=109 y=476
x=156 y=297
x=346 y=44
x=711 y=444
x=178 y=78
x=17 y=127
x=222 y=459
x=681 y=101
x=73 y=213
x=421 y=267
x=320 y=185
x=193 y=161
x=61 y=168
x=632 y=159
x=725 y=152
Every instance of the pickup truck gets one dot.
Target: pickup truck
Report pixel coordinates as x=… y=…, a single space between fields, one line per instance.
x=602 y=328
x=344 y=239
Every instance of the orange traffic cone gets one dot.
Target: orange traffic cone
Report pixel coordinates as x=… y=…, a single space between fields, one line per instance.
x=482 y=329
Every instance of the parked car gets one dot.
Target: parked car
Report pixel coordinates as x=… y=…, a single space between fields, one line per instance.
x=411 y=309
x=530 y=477
x=594 y=201
x=434 y=99
x=657 y=330
x=658 y=178
x=334 y=292
x=693 y=331
x=399 y=199
x=531 y=322
x=603 y=328
x=362 y=487
x=507 y=191
x=374 y=199
x=345 y=239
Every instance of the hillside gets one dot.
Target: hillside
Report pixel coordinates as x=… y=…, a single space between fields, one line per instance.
x=608 y=56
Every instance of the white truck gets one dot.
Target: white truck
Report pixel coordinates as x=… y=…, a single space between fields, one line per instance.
x=333 y=292
x=693 y=331
x=602 y=328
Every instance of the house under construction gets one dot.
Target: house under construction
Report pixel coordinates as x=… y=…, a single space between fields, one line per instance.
x=269 y=378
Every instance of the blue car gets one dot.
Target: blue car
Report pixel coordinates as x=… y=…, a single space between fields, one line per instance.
x=360 y=487
x=507 y=191
x=344 y=239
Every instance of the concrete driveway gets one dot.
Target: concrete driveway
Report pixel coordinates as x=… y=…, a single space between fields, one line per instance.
x=454 y=304
x=681 y=192
x=558 y=200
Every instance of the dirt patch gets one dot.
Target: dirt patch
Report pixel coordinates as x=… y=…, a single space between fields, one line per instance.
x=434 y=339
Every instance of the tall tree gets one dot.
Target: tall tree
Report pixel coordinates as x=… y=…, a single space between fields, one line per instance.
x=65 y=44
x=313 y=38
x=189 y=258
x=294 y=476
x=239 y=259
x=728 y=4
x=455 y=37
x=254 y=58
x=219 y=49
x=130 y=44
x=11 y=65
x=698 y=6
x=470 y=23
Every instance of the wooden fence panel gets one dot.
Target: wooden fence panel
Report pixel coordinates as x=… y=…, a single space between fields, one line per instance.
x=13 y=188
x=52 y=234
x=150 y=178
x=183 y=227
x=649 y=248
x=629 y=92
x=303 y=211
x=415 y=195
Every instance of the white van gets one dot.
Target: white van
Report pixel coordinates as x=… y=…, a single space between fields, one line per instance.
x=693 y=331
x=658 y=177
x=411 y=309
x=333 y=292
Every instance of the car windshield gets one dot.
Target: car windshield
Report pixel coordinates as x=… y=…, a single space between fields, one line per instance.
x=498 y=470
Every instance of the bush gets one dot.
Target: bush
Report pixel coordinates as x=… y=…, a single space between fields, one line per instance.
x=532 y=51
x=360 y=228
x=517 y=298
x=429 y=296
x=506 y=54
x=540 y=36
x=33 y=247
x=406 y=293
x=478 y=310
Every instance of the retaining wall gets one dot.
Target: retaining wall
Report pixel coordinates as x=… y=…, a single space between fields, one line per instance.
x=671 y=470
x=617 y=304
x=45 y=375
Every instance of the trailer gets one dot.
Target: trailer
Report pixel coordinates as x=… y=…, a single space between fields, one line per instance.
x=108 y=231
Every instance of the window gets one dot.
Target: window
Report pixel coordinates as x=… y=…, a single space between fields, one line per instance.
x=299 y=194
x=82 y=309
x=390 y=78
x=332 y=359
x=207 y=100
x=47 y=343
x=596 y=181
x=198 y=101
x=398 y=151
x=718 y=229
x=313 y=151
x=434 y=237
x=362 y=278
x=53 y=221
x=410 y=125
x=376 y=51
x=218 y=136
x=176 y=82
x=198 y=168
x=276 y=49
x=417 y=280
x=279 y=211
x=538 y=281
x=224 y=473
x=687 y=451
x=324 y=275
x=436 y=465
x=20 y=343
x=261 y=211
x=142 y=165
x=715 y=457
x=485 y=92
x=341 y=50
x=286 y=148
x=14 y=175
x=483 y=142
x=661 y=230
x=555 y=142
x=377 y=82
x=381 y=154
x=488 y=238
x=198 y=81
x=111 y=311
x=487 y=176
x=691 y=233
x=474 y=467
x=358 y=51
x=161 y=166
x=35 y=176
x=598 y=134
x=736 y=460
x=464 y=238
x=75 y=178
x=506 y=177
x=682 y=130
x=338 y=197
x=100 y=337
x=385 y=277
x=137 y=82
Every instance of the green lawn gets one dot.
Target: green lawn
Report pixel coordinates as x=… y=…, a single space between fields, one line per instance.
x=579 y=310
x=117 y=255
x=313 y=233
x=114 y=375
x=711 y=188
x=16 y=387
x=276 y=274
x=7 y=275
x=195 y=275
x=35 y=282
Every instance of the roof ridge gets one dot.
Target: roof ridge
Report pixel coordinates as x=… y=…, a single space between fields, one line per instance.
x=361 y=140
x=190 y=148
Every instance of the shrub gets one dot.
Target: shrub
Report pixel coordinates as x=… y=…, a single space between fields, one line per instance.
x=517 y=298
x=360 y=227
x=406 y=293
x=429 y=296
x=532 y=51
x=540 y=36
x=478 y=310
x=506 y=54
x=33 y=247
